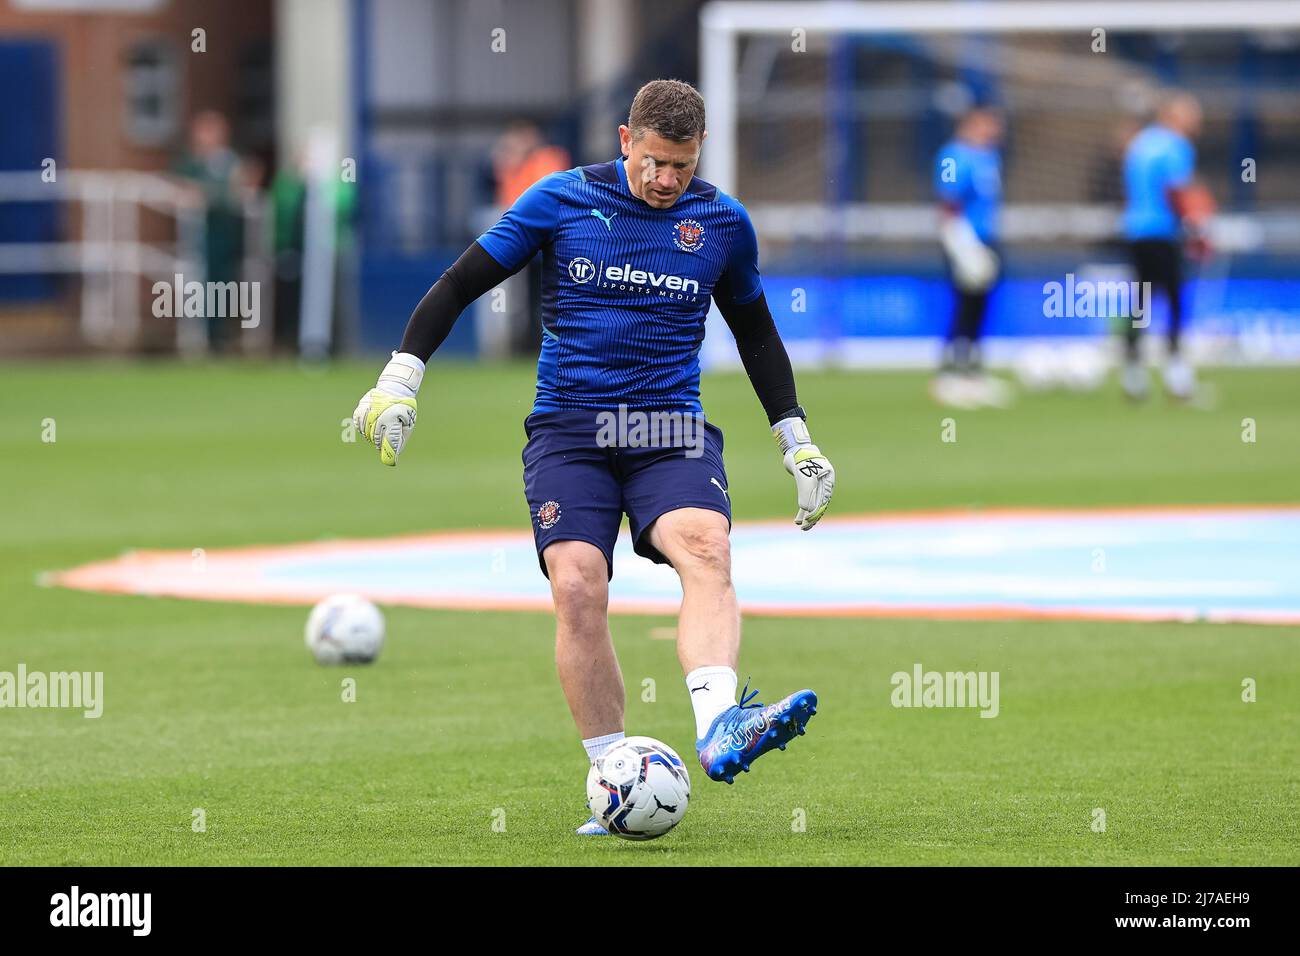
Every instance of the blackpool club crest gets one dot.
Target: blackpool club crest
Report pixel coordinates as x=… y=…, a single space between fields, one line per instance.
x=688 y=235
x=548 y=514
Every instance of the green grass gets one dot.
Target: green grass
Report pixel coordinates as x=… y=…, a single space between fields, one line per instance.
x=217 y=706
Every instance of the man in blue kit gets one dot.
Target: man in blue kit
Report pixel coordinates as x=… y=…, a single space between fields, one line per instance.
x=968 y=185
x=632 y=252
x=1159 y=211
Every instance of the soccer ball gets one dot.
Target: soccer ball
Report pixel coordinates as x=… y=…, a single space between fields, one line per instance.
x=1085 y=368
x=345 y=629
x=1039 y=368
x=638 y=788
x=1076 y=368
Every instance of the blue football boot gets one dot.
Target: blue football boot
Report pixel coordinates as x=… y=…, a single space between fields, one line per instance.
x=592 y=827
x=744 y=732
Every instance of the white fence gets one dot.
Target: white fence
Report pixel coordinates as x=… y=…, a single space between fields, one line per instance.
x=105 y=246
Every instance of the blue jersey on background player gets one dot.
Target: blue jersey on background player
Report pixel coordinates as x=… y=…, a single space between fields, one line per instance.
x=1157 y=161
x=968 y=185
x=969 y=178
x=1159 y=169
x=625 y=286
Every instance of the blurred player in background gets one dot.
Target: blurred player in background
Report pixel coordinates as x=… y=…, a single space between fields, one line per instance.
x=625 y=335
x=1162 y=204
x=968 y=184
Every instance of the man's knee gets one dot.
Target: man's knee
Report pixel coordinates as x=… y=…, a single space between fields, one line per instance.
x=700 y=549
x=579 y=577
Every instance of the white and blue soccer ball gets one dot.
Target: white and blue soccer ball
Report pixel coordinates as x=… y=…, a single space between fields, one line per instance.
x=1039 y=368
x=345 y=629
x=1084 y=368
x=1076 y=368
x=638 y=788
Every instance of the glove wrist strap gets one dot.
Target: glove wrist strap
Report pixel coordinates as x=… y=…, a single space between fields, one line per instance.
x=791 y=433
x=402 y=375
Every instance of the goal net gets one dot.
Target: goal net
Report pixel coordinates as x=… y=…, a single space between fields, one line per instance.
x=826 y=120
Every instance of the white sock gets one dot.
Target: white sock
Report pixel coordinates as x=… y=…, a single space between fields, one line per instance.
x=712 y=690
x=596 y=746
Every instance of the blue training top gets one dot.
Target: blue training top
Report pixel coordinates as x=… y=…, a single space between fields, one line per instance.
x=625 y=286
x=1156 y=161
x=970 y=178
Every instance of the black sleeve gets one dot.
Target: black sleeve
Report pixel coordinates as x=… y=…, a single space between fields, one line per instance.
x=474 y=273
x=764 y=356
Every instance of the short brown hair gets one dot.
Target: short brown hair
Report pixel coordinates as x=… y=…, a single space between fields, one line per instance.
x=671 y=108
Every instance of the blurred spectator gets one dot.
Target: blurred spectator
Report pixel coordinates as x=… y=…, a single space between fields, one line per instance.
x=288 y=193
x=220 y=178
x=288 y=205
x=520 y=158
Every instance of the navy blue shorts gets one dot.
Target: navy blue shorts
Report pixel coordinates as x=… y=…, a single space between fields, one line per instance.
x=579 y=491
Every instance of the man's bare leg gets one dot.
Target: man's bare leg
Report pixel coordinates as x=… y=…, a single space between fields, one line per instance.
x=584 y=651
x=708 y=643
x=696 y=541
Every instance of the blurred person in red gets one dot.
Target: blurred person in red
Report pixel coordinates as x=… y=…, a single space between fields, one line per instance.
x=520 y=158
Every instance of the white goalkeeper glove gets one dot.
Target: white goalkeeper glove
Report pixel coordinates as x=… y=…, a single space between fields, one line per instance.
x=386 y=413
x=974 y=264
x=814 y=477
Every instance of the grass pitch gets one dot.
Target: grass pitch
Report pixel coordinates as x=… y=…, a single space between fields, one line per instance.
x=461 y=724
